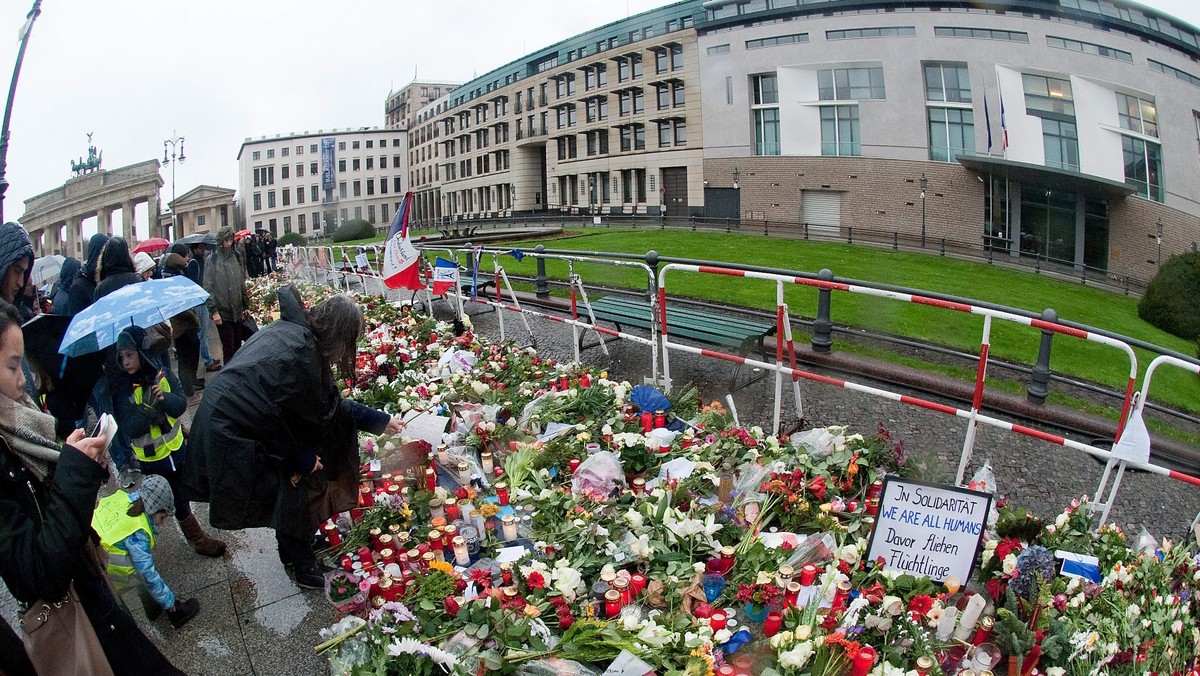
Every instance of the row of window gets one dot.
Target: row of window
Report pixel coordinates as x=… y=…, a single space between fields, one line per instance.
x=314 y=148
x=314 y=192
x=951 y=120
x=628 y=188
x=265 y=176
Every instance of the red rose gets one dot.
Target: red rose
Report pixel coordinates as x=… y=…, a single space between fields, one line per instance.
x=452 y=606
x=817 y=487
x=536 y=580
x=875 y=593
x=1007 y=546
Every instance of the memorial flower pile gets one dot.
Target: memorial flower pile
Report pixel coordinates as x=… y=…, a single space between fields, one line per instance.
x=548 y=525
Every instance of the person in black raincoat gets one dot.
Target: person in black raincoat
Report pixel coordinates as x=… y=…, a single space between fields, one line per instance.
x=116 y=267
x=83 y=290
x=273 y=443
x=16 y=264
x=61 y=302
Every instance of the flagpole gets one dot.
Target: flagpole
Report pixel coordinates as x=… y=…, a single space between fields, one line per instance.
x=12 y=92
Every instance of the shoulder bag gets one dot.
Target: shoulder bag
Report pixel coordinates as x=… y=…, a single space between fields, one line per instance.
x=59 y=638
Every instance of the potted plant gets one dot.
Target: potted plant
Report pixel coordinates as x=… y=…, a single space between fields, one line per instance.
x=759 y=598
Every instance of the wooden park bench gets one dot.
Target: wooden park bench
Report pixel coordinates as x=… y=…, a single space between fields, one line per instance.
x=745 y=336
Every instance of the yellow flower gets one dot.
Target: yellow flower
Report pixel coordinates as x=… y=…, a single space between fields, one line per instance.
x=532 y=610
x=442 y=566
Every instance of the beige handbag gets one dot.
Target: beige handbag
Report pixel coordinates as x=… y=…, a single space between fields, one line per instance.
x=59 y=638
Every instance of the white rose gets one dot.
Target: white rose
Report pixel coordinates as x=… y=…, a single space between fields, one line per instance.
x=764 y=578
x=634 y=518
x=849 y=554
x=797 y=657
x=1061 y=520
x=1010 y=564
x=722 y=636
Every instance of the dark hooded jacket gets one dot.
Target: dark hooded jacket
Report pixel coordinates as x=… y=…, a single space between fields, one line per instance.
x=175 y=265
x=14 y=245
x=83 y=290
x=225 y=279
x=61 y=302
x=136 y=420
x=116 y=273
x=264 y=419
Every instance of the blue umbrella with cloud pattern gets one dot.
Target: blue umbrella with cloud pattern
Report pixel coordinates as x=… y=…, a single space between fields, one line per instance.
x=143 y=304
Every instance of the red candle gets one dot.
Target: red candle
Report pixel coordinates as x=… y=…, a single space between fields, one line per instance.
x=660 y=419
x=612 y=603
x=332 y=535
x=452 y=511
x=435 y=540
x=647 y=421
x=585 y=380
x=717 y=620
x=638 y=582
x=502 y=493
x=366 y=496
x=792 y=595
x=356 y=514
x=726 y=670
x=430 y=479
x=863 y=661
x=347 y=563
x=365 y=554
x=840 y=596
x=563 y=383
x=773 y=622
x=983 y=631
x=808 y=575
x=574 y=464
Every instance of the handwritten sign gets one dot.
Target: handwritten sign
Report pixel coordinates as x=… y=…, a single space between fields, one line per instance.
x=928 y=530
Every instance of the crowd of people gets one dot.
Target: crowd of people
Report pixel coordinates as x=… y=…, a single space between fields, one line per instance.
x=272 y=444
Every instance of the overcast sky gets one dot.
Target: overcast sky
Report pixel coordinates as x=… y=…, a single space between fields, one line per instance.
x=216 y=71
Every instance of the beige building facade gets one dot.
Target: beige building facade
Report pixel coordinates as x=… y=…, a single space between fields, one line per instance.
x=205 y=208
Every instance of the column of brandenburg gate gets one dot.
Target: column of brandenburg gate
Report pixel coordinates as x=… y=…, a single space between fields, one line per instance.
x=54 y=219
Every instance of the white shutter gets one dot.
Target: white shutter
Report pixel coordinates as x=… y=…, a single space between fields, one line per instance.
x=822 y=212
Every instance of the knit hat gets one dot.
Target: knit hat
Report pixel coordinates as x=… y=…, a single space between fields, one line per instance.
x=224 y=234
x=143 y=262
x=156 y=495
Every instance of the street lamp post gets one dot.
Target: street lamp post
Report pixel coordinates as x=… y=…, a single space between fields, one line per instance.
x=12 y=91
x=176 y=144
x=924 y=185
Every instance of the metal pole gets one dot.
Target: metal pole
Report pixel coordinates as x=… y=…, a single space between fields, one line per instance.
x=176 y=142
x=12 y=92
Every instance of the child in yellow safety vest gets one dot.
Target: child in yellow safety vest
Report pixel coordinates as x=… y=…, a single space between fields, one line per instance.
x=127 y=523
x=148 y=403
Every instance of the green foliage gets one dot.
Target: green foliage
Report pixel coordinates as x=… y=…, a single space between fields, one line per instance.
x=353 y=229
x=1172 y=301
x=293 y=238
x=1012 y=634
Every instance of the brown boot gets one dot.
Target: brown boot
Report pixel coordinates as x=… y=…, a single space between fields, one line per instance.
x=202 y=542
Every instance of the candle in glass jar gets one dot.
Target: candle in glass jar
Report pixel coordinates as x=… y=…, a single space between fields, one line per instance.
x=426 y=559
x=476 y=517
x=638 y=582
x=485 y=459
x=660 y=419
x=792 y=594
x=373 y=535
x=727 y=558
x=924 y=665
x=647 y=421
x=451 y=509
x=717 y=620
x=585 y=380
x=461 y=557
x=366 y=495
x=621 y=585
x=502 y=493
x=387 y=555
x=332 y=535
x=437 y=508
x=509 y=525
x=784 y=577
x=773 y=623
x=347 y=563
x=863 y=661
x=383 y=541
x=443 y=452
x=983 y=630
x=612 y=603
x=414 y=558
x=841 y=595
x=639 y=486
x=448 y=534
x=394 y=530
x=435 y=540
x=726 y=670
x=464 y=472
x=808 y=575
x=573 y=465
x=430 y=479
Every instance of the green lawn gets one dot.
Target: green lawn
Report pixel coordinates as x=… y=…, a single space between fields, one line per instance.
x=1074 y=357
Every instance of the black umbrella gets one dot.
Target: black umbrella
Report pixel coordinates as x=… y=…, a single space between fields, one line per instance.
x=43 y=334
x=198 y=238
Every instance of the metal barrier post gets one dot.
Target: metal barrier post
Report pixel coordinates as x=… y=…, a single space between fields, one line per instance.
x=822 y=337
x=976 y=401
x=1039 y=377
x=540 y=286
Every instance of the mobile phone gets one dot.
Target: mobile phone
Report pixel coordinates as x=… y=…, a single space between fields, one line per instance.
x=98 y=427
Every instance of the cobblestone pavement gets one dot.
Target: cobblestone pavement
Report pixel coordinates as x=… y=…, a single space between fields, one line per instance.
x=1042 y=476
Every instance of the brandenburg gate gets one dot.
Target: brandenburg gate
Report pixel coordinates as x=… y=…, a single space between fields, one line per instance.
x=54 y=219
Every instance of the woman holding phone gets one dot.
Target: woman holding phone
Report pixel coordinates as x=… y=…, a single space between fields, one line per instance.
x=48 y=553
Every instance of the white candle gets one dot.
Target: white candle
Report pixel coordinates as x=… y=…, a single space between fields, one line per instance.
x=946 y=626
x=510 y=527
x=485 y=459
x=461 y=557
x=970 y=617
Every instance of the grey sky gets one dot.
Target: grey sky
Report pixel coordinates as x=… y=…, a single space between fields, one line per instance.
x=217 y=71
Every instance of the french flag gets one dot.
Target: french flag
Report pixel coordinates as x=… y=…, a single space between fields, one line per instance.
x=445 y=276
x=400 y=269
